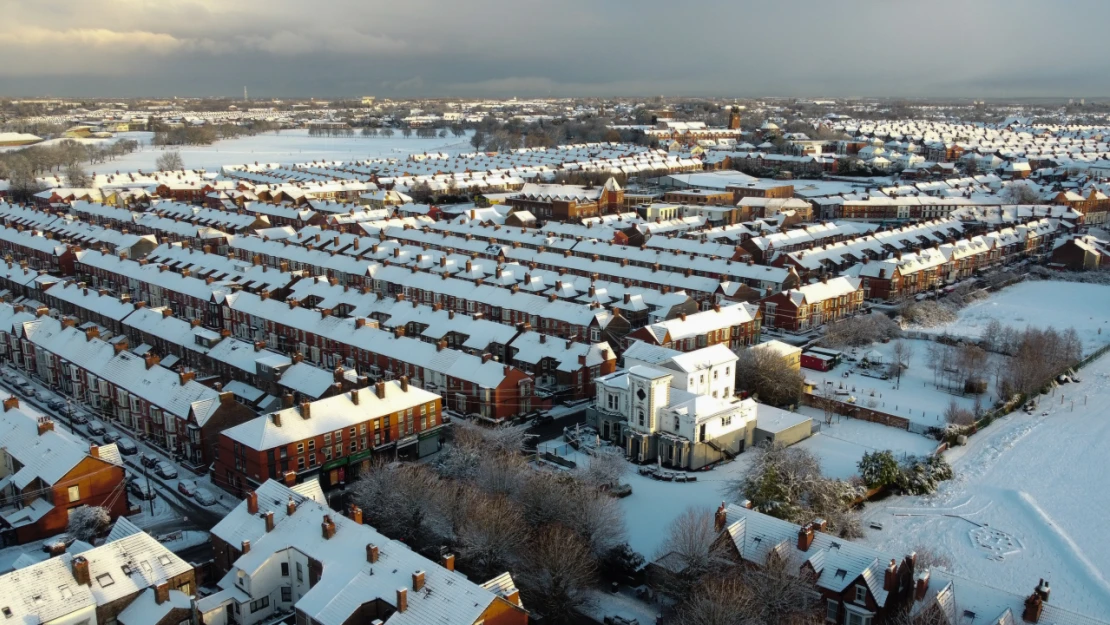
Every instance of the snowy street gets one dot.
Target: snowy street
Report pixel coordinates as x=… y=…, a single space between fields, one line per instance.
x=1025 y=503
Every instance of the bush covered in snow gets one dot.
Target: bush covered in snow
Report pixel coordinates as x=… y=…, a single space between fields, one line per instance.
x=88 y=522
x=860 y=331
x=787 y=483
x=921 y=475
x=1085 y=277
x=879 y=468
x=928 y=313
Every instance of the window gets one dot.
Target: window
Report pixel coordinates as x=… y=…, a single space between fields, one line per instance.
x=327 y=439
x=300 y=463
x=300 y=448
x=74 y=493
x=312 y=444
x=286 y=593
x=260 y=604
x=300 y=575
x=858 y=619
x=861 y=594
x=641 y=415
x=311 y=460
x=726 y=421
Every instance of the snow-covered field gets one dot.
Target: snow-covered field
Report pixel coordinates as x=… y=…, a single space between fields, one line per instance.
x=1027 y=502
x=1042 y=304
x=916 y=398
x=841 y=445
x=288 y=146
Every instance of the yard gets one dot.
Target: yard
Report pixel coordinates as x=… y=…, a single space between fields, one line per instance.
x=840 y=446
x=916 y=397
x=1026 y=502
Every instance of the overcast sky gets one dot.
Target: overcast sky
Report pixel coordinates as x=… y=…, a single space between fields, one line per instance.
x=400 y=48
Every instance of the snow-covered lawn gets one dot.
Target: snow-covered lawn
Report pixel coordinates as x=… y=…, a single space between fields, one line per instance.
x=287 y=147
x=1042 y=304
x=841 y=445
x=916 y=398
x=1028 y=501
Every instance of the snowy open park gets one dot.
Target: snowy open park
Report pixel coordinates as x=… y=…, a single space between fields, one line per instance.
x=286 y=147
x=1041 y=304
x=1026 y=502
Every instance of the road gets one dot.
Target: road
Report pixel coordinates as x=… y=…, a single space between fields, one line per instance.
x=188 y=515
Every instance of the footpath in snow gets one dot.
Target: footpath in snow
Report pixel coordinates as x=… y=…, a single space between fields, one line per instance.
x=1027 y=501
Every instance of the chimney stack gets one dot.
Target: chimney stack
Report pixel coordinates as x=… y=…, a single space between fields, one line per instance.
x=11 y=402
x=356 y=514
x=805 y=537
x=418 y=581
x=372 y=554
x=290 y=507
x=448 y=561
x=45 y=425
x=269 y=516
x=327 y=527
x=161 y=593
x=402 y=599
x=720 y=518
x=252 y=502
x=245 y=547
x=306 y=410
x=81 y=571
x=379 y=390
x=921 y=586
x=890 y=579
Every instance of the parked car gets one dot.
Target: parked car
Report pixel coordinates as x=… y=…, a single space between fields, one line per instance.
x=140 y=489
x=166 y=470
x=55 y=405
x=187 y=488
x=96 y=428
x=27 y=389
x=112 y=436
x=77 y=417
x=148 y=460
x=127 y=447
x=204 y=497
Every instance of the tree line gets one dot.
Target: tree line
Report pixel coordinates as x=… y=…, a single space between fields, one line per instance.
x=208 y=134
x=22 y=168
x=556 y=531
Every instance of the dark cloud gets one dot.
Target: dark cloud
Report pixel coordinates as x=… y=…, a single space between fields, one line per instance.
x=330 y=48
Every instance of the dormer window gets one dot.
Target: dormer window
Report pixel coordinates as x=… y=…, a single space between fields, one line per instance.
x=861 y=593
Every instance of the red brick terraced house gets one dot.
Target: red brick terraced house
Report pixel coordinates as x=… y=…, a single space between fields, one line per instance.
x=335 y=438
x=44 y=473
x=170 y=408
x=737 y=326
x=813 y=305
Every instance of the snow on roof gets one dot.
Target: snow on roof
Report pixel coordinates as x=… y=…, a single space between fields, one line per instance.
x=837 y=562
x=697 y=324
x=701 y=359
x=144 y=609
x=338 y=412
x=47 y=457
x=771 y=419
x=348 y=581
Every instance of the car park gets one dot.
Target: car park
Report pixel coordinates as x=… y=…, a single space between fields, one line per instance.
x=127 y=447
x=166 y=470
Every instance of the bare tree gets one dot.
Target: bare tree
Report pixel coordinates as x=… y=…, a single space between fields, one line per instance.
x=1020 y=193
x=406 y=131
x=955 y=414
x=605 y=468
x=88 y=522
x=403 y=502
x=170 y=161
x=692 y=541
x=770 y=376
x=77 y=177
x=489 y=531
x=771 y=594
x=556 y=574
x=902 y=354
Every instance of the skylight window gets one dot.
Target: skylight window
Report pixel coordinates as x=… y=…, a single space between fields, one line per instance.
x=164 y=560
x=105 y=580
